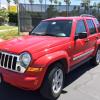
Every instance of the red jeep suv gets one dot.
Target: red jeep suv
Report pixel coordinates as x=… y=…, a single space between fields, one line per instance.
x=53 y=48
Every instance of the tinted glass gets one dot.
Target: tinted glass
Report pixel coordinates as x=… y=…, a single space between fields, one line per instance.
x=54 y=28
x=91 y=26
x=80 y=28
x=97 y=24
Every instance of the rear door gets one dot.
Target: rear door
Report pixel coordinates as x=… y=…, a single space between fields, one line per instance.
x=92 y=38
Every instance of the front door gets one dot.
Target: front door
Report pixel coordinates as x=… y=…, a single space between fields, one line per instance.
x=80 y=45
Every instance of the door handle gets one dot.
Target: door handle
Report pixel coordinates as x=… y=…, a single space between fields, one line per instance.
x=87 y=40
x=97 y=37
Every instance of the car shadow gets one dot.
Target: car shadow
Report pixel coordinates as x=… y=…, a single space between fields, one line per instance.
x=77 y=73
x=9 y=92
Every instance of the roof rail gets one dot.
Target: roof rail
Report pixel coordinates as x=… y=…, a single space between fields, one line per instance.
x=86 y=15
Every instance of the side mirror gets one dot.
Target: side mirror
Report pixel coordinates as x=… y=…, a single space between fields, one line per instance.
x=81 y=35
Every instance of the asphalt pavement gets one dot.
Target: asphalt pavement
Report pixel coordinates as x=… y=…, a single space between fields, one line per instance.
x=81 y=84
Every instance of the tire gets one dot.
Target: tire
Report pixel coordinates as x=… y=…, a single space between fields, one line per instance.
x=1 y=80
x=96 y=60
x=51 y=89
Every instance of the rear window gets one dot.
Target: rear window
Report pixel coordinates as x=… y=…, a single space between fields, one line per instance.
x=97 y=24
x=91 y=26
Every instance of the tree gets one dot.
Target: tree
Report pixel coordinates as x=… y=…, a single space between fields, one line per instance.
x=0 y=4
x=78 y=10
x=51 y=11
x=94 y=5
x=41 y=1
x=98 y=7
x=59 y=4
x=51 y=1
x=86 y=4
x=15 y=1
x=31 y=2
x=55 y=1
x=8 y=1
x=74 y=11
x=68 y=2
x=4 y=15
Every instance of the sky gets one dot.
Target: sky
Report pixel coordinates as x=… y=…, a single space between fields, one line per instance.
x=73 y=2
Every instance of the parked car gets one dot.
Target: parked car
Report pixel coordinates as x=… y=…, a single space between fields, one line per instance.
x=54 y=48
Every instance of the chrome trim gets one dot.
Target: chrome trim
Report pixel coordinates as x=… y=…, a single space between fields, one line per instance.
x=80 y=56
x=17 y=63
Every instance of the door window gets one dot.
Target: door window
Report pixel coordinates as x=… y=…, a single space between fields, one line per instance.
x=91 y=26
x=97 y=24
x=80 y=28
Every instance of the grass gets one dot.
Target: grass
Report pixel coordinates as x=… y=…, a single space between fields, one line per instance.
x=7 y=27
x=9 y=34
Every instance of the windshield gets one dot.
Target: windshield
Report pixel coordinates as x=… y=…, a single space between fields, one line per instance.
x=53 y=28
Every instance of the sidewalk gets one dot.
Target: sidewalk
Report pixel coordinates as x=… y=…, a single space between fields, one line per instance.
x=85 y=87
x=24 y=33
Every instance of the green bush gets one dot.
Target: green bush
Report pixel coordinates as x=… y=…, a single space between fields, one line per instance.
x=3 y=16
x=1 y=20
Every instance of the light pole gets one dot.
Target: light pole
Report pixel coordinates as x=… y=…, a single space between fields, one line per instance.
x=18 y=17
x=0 y=4
x=45 y=8
x=66 y=1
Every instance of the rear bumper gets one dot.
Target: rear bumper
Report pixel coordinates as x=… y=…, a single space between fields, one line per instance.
x=24 y=81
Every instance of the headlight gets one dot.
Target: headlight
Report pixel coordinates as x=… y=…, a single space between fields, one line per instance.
x=25 y=59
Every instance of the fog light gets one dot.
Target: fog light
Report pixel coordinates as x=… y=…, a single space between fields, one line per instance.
x=18 y=68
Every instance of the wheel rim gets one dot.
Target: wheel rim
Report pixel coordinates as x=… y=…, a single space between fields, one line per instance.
x=57 y=81
x=98 y=56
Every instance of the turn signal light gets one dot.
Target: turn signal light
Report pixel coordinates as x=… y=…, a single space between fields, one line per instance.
x=30 y=69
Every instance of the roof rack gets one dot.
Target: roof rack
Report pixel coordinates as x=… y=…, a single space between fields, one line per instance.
x=86 y=15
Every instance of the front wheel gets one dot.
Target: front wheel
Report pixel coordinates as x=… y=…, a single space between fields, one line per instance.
x=96 y=60
x=53 y=84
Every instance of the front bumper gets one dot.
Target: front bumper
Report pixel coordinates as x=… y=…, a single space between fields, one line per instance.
x=27 y=81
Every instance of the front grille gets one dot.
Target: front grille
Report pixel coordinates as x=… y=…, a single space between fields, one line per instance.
x=8 y=61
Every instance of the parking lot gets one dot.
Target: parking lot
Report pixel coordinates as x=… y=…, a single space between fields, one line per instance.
x=81 y=84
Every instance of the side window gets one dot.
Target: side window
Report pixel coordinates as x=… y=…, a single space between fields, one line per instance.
x=80 y=27
x=91 y=26
x=97 y=24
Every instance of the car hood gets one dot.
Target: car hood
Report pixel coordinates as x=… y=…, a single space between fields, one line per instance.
x=31 y=43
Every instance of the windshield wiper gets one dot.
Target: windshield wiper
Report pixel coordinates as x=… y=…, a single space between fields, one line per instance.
x=42 y=34
x=56 y=35
x=38 y=34
x=45 y=34
x=51 y=35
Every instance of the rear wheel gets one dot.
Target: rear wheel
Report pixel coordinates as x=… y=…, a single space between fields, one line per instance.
x=96 y=60
x=53 y=84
